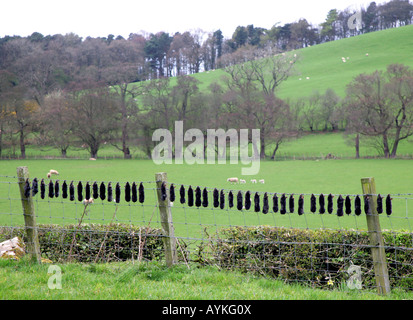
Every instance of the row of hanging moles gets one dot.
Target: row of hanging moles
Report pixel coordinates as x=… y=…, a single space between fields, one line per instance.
x=280 y=203
x=132 y=192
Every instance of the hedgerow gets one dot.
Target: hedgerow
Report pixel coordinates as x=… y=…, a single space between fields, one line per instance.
x=318 y=257
x=94 y=242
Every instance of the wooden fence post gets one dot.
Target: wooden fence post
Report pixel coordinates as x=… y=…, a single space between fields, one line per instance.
x=33 y=245
x=166 y=220
x=376 y=238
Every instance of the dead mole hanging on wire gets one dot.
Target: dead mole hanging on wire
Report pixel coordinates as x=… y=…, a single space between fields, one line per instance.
x=182 y=194
x=265 y=204
x=300 y=205
x=71 y=191
x=230 y=199
x=257 y=202
x=172 y=193
x=141 y=191
x=134 y=192
x=283 y=200
x=275 y=203
x=205 y=198
x=198 y=197
x=222 y=199
x=127 y=192
x=239 y=200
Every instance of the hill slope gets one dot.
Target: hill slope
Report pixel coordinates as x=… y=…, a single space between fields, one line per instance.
x=324 y=66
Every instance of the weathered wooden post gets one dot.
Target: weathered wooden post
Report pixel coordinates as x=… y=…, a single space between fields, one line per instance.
x=166 y=219
x=33 y=246
x=376 y=238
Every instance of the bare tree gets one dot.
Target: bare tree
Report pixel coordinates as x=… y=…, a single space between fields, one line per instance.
x=8 y=82
x=157 y=98
x=185 y=89
x=94 y=116
x=126 y=66
x=329 y=103
x=381 y=105
x=55 y=122
x=310 y=110
x=252 y=93
x=401 y=85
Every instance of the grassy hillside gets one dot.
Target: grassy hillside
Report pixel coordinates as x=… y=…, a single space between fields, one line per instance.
x=324 y=66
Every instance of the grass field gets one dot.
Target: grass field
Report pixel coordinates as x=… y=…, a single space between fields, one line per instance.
x=319 y=144
x=125 y=281
x=20 y=280
x=297 y=177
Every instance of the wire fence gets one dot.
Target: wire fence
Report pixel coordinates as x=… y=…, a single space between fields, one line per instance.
x=322 y=240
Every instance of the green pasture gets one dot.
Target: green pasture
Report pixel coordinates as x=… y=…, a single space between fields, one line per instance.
x=324 y=67
x=320 y=144
x=291 y=177
x=22 y=280
x=308 y=145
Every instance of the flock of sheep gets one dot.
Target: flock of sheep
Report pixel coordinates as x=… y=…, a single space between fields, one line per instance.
x=242 y=181
x=348 y=58
x=344 y=59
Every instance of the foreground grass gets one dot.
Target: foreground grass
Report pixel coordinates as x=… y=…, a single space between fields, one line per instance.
x=152 y=281
x=323 y=65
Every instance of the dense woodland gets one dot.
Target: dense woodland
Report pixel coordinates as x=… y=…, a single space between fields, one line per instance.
x=65 y=91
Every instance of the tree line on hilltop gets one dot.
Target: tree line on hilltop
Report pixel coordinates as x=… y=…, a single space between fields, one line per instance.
x=63 y=91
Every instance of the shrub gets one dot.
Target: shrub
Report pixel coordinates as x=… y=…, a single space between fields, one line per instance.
x=318 y=257
x=120 y=242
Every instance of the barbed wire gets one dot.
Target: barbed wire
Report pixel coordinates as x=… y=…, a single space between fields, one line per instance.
x=207 y=220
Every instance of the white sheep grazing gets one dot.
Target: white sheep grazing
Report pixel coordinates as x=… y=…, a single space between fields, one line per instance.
x=253 y=181
x=232 y=180
x=262 y=181
x=92 y=158
x=49 y=174
x=242 y=181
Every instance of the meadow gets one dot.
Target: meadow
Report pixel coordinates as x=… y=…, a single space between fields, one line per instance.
x=21 y=280
x=126 y=280
x=297 y=177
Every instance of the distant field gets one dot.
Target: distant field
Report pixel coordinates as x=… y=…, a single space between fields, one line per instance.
x=310 y=145
x=320 y=144
x=298 y=177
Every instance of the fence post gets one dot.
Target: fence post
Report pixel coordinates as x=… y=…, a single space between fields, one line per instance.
x=33 y=245
x=376 y=238
x=166 y=220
